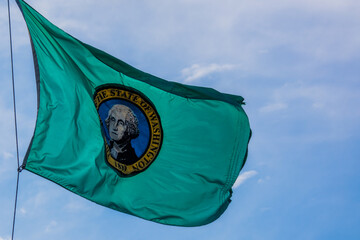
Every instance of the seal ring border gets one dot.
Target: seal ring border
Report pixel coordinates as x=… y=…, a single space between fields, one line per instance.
x=129 y=170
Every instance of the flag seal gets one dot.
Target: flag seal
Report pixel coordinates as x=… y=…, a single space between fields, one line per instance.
x=131 y=128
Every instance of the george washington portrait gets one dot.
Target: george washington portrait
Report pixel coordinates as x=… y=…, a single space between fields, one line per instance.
x=122 y=125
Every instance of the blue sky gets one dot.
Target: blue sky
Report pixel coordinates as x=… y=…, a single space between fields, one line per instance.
x=296 y=63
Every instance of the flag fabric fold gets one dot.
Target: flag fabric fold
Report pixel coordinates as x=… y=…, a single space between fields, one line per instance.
x=127 y=140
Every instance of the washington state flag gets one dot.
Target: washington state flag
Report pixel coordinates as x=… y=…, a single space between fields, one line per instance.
x=127 y=140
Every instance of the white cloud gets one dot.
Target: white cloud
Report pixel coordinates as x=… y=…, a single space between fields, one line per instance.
x=262 y=180
x=243 y=177
x=40 y=199
x=7 y=142
x=197 y=71
x=5 y=238
x=8 y=155
x=22 y=211
x=273 y=107
x=331 y=100
x=8 y=161
x=19 y=34
x=329 y=110
x=75 y=206
x=51 y=226
x=265 y=209
x=230 y=31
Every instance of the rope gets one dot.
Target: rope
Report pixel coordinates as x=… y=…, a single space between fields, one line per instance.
x=15 y=123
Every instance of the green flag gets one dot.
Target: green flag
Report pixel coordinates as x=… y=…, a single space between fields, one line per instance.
x=130 y=141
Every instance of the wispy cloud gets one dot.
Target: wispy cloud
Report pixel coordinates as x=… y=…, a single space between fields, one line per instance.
x=331 y=108
x=40 y=199
x=7 y=142
x=262 y=180
x=237 y=33
x=75 y=206
x=4 y=238
x=243 y=177
x=7 y=155
x=51 y=226
x=197 y=71
x=22 y=211
x=315 y=98
x=273 y=107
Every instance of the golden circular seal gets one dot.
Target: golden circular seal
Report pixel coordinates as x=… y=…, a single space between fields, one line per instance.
x=131 y=129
